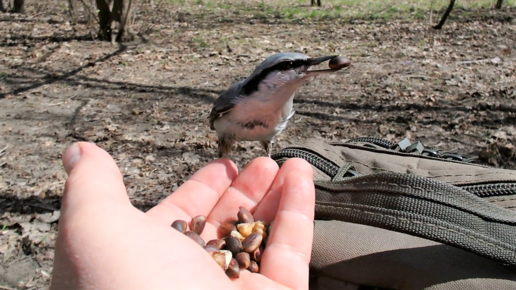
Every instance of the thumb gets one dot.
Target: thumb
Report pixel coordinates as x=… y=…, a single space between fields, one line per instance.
x=94 y=194
x=93 y=179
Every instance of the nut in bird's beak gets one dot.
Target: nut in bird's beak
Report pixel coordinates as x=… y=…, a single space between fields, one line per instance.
x=336 y=63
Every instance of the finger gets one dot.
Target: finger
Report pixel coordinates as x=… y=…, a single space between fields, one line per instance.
x=247 y=190
x=287 y=255
x=94 y=179
x=253 y=281
x=268 y=207
x=199 y=194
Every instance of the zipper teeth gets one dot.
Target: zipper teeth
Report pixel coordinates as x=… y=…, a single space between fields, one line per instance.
x=376 y=141
x=331 y=169
x=319 y=162
x=486 y=190
x=340 y=144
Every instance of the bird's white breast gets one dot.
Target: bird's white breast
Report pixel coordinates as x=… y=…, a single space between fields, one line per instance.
x=268 y=109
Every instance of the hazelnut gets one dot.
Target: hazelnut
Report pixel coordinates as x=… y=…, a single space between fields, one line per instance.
x=253 y=267
x=198 y=223
x=194 y=236
x=252 y=242
x=339 y=62
x=227 y=227
x=244 y=216
x=180 y=225
x=219 y=243
x=233 y=270
x=233 y=245
x=243 y=259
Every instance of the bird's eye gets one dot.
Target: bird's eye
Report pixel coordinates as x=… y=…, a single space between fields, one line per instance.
x=287 y=65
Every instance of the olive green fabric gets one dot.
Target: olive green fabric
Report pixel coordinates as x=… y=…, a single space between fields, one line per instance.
x=347 y=253
x=408 y=221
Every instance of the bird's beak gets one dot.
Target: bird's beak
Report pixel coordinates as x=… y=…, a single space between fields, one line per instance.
x=319 y=60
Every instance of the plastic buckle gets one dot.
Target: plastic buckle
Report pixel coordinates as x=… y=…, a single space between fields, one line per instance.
x=418 y=146
x=404 y=144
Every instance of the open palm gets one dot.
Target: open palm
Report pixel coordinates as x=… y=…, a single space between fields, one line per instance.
x=106 y=243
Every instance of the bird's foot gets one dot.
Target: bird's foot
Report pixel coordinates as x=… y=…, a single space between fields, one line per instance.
x=267 y=146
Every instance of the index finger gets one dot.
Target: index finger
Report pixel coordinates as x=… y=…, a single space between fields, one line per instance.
x=198 y=195
x=287 y=254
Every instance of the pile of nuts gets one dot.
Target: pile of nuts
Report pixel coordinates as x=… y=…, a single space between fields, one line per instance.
x=240 y=248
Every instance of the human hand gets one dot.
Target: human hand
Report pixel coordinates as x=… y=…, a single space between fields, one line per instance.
x=106 y=243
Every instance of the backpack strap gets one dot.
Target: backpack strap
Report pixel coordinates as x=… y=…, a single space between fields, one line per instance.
x=422 y=207
x=410 y=189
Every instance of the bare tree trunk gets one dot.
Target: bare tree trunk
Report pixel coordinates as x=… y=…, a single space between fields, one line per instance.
x=90 y=10
x=115 y=23
x=71 y=10
x=121 y=17
x=104 y=19
x=2 y=9
x=318 y=3
x=445 y=16
x=19 y=6
x=499 y=4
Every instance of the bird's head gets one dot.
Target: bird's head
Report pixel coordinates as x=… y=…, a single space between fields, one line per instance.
x=285 y=69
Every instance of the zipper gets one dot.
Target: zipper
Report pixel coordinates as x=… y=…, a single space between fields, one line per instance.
x=491 y=189
x=395 y=148
x=331 y=169
x=377 y=141
x=316 y=160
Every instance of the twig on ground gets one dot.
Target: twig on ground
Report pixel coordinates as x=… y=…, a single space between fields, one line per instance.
x=416 y=77
x=3 y=149
x=494 y=60
x=462 y=142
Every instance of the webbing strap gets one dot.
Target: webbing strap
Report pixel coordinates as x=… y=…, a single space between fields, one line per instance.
x=422 y=207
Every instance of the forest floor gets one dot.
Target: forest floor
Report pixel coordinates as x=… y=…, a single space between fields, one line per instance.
x=147 y=102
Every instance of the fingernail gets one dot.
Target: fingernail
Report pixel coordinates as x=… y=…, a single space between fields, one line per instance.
x=71 y=156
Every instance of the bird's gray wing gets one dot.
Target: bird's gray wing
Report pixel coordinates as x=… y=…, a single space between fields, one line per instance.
x=225 y=103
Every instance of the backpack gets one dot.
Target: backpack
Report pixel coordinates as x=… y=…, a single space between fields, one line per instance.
x=401 y=216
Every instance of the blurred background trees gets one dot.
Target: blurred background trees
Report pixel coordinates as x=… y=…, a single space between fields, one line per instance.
x=112 y=19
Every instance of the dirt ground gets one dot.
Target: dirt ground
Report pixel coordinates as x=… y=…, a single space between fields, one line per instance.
x=147 y=102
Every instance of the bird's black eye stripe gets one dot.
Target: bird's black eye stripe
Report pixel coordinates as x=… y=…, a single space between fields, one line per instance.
x=286 y=65
x=252 y=85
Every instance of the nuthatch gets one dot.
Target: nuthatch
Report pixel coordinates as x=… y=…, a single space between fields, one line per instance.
x=259 y=107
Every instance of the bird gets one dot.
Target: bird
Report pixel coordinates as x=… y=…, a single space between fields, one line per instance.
x=259 y=107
